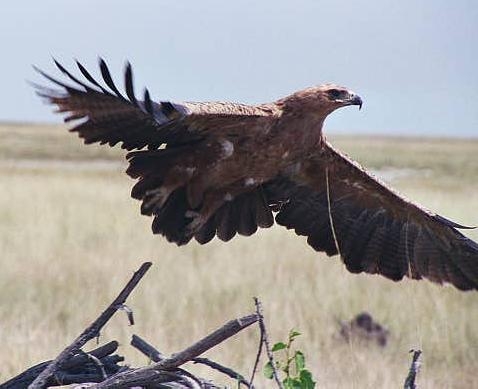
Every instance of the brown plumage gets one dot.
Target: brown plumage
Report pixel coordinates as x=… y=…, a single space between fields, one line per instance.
x=207 y=169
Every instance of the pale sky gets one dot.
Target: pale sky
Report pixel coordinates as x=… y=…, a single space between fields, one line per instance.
x=414 y=62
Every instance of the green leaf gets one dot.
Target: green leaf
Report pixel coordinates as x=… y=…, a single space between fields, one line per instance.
x=292 y=383
x=293 y=334
x=268 y=370
x=299 y=360
x=306 y=379
x=279 y=346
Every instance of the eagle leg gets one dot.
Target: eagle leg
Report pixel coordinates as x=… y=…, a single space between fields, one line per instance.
x=212 y=202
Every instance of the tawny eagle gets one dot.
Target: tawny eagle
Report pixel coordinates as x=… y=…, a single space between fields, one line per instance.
x=219 y=168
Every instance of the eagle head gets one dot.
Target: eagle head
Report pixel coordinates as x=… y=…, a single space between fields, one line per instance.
x=321 y=100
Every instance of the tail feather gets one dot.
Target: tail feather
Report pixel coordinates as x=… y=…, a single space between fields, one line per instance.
x=171 y=221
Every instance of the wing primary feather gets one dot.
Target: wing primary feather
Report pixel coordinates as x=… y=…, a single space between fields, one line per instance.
x=90 y=78
x=69 y=88
x=167 y=108
x=148 y=105
x=74 y=116
x=71 y=76
x=44 y=92
x=108 y=79
x=128 y=80
x=451 y=223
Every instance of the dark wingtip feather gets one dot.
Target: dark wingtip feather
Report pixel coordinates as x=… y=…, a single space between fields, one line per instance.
x=40 y=90
x=128 y=80
x=147 y=102
x=54 y=80
x=90 y=78
x=167 y=108
x=451 y=223
x=70 y=76
x=105 y=72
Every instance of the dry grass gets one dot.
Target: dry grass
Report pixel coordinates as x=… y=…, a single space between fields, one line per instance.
x=70 y=236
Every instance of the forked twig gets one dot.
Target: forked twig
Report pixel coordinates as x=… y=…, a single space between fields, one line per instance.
x=91 y=331
x=258 y=356
x=265 y=339
x=261 y=343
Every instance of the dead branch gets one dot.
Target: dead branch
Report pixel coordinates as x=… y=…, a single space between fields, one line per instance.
x=259 y=348
x=75 y=370
x=147 y=349
x=91 y=331
x=224 y=370
x=265 y=339
x=156 y=372
x=154 y=355
x=157 y=356
x=414 y=369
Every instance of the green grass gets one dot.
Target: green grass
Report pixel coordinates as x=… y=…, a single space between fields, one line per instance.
x=70 y=236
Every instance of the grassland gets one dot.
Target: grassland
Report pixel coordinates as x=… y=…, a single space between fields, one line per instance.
x=70 y=237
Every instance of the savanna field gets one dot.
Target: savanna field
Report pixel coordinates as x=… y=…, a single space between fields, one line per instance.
x=70 y=237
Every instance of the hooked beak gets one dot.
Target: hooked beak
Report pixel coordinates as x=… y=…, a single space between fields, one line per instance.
x=355 y=100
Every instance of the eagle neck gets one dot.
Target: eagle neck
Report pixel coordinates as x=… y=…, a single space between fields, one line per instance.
x=304 y=129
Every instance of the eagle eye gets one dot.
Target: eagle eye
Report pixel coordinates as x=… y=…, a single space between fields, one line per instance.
x=334 y=94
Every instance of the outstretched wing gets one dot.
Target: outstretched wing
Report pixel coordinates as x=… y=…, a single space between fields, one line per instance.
x=106 y=116
x=344 y=210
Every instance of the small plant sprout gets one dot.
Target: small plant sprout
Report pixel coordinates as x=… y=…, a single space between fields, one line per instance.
x=291 y=364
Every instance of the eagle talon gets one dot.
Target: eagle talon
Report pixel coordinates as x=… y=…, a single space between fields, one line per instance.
x=156 y=198
x=192 y=214
x=195 y=224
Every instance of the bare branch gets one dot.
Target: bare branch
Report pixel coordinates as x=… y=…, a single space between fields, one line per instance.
x=129 y=313
x=91 y=331
x=223 y=369
x=156 y=356
x=266 y=342
x=149 y=374
x=103 y=353
x=147 y=349
x=99 y=365
x=414 y=369
x=259 y=349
